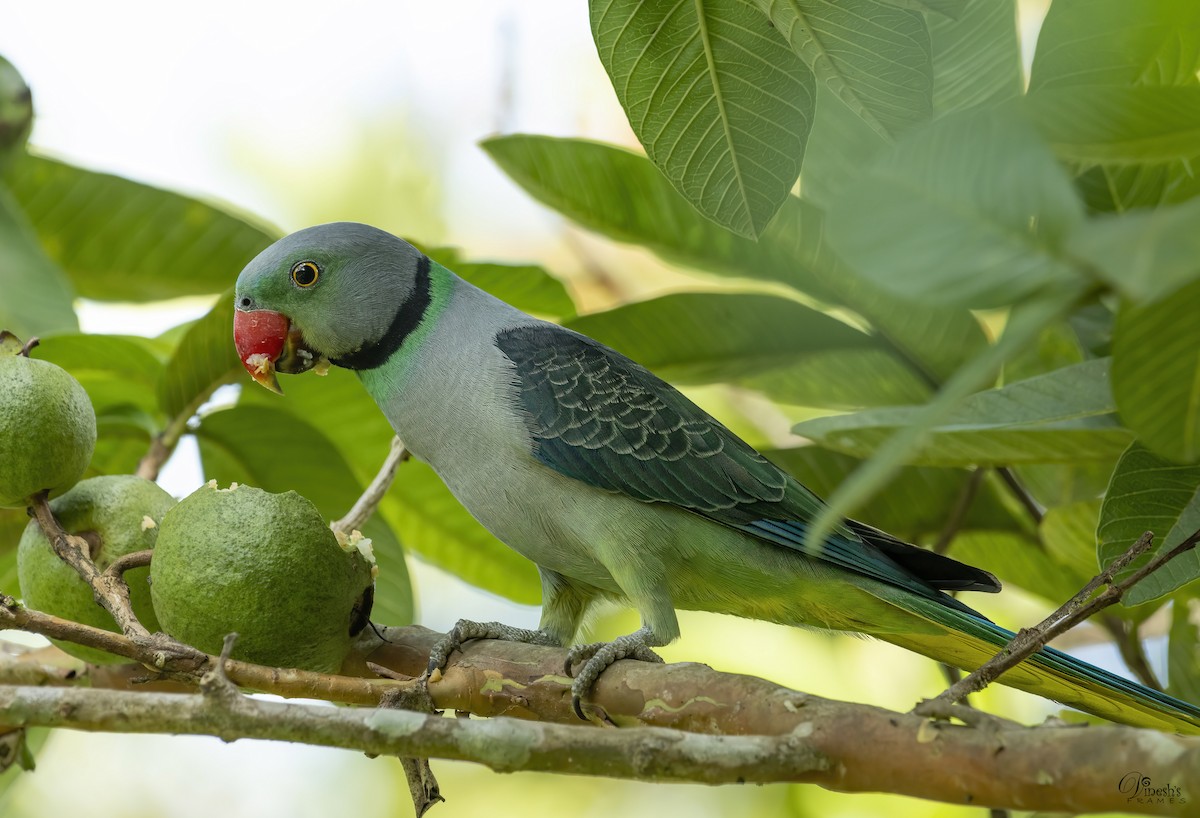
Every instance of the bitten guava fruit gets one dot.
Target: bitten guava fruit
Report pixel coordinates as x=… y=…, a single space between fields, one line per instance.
x=267 y=567
x=47 y=427
x=117 y=515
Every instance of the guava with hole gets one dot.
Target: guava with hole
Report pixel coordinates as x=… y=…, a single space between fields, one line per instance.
x=117 y=515
x=47 y=427
x=267 y=567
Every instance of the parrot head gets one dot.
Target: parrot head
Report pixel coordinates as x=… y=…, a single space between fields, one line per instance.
x=323 y=294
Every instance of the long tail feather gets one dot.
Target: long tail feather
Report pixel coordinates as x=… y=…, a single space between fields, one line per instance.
x=969 y=640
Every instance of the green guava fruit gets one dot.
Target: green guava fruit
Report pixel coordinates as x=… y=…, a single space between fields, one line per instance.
x=47 y=427
x=265 y=566
x=117 y=514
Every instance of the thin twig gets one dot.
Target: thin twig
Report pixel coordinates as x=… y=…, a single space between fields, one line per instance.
x=1128 y=641
x=163 y=444
x=958 y=514
x=365 y=506
x=1023 y=496
x=127 y=562
x=110 y=591
x=1079 y=607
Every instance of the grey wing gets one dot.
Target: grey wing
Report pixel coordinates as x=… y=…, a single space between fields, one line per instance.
x=596 y=416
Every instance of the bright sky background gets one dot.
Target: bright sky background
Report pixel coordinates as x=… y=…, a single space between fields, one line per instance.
x=289 y=111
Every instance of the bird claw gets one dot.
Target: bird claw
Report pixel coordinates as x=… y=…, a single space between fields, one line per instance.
x=595 y=658
x=464 y=630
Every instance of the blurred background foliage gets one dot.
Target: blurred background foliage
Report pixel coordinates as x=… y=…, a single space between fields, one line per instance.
x=945 y=272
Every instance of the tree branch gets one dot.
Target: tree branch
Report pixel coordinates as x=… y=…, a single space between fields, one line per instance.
x=681 y=722
x=850 y=748
x=110 y=590
x=366 y=504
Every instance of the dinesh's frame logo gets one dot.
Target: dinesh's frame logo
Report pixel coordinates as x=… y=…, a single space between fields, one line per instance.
x=1141 y=789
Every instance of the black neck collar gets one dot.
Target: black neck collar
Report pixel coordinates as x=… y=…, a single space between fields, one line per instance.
x=407 y=318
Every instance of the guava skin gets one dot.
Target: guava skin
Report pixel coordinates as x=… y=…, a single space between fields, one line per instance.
x=265 y=566
x=118 y=515
x=47 y=429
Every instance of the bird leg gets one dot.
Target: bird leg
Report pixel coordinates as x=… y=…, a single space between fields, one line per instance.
x=597 y=656
x=465 y=630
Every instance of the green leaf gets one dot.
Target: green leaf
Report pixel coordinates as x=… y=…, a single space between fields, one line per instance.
x=204 y=359
x=1119 y=187
x=947 y=214
x=1102 y=124
x=274 y=450
x=876 y=57
x=116 y=370
x=1069 y=534
x=976 y=56
x=840 y=146
x=915 y=504
x=1115 y=42
x=527 y=287
x=16 y=113
x=1183 y=651
x=419 y=508
x=715 y=96
x=37 y=295
x=1022 y=329
x=953 y=9
x=619 y=194
x=1156 y=373
x=842 y=379
x=120 y=240
x=1061 y=417
x=1059 y=484
x=1018 y=561
x=707 y=337
x=1146 y=254
x=1148 y=493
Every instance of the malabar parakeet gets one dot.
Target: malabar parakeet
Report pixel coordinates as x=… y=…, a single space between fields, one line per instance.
x=612 y=482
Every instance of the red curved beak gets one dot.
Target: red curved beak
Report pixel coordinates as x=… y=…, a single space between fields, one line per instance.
x=260 y=337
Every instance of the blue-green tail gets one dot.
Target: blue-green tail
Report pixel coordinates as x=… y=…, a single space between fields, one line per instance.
x=969 y=640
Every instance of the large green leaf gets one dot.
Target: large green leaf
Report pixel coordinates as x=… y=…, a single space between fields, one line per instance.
x=1069 y=534
x=1095 y=124
x=875 y=56
x=527 y=287
x=621 y=195
x=842 y=379
x=1024 y=326
x=116 y=370
x=707 y=337
x=1018 y=560
x=419 y=508
x=120 y=240
x=976 y=56
x=715 y=96
x=37 y=295
x=840 y=146
x=1146 y=254
x=1061 y=417
x=1156 y=373
x=274 y=450
x=948 y=214
x=1115 y=42
x=1148 y=493
x=204 y=359
x=952 y=9
x=916 y=504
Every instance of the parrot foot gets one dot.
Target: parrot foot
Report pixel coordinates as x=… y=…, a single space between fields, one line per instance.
x=596 y=657
x=465 y=630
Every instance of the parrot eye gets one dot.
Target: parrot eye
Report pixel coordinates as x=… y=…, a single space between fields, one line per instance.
x=305 y=273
